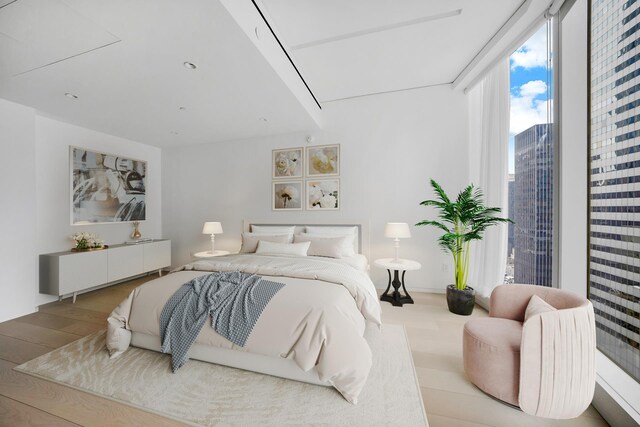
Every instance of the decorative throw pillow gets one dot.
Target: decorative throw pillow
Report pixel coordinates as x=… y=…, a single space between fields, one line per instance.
x=333 y=247
x=536 y=306
x=331 y=231
x=291 y=249
x=250 y=240
x=273 y=229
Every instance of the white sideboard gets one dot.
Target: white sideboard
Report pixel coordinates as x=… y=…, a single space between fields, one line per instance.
x=64 y=273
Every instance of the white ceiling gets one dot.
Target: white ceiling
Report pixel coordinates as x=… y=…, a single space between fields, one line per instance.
x=124 y=61
x=358 y=47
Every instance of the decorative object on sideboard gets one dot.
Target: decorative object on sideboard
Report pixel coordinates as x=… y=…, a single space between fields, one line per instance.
x=106 y=188
x=462 y=220
x=287 y=163
x=323 y=194
x=397 y=231
x=87 y=242
x=135 y=235
x=212 y=228
x=287 y=195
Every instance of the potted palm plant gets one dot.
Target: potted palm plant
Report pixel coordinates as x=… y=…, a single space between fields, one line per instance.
x=462 y=220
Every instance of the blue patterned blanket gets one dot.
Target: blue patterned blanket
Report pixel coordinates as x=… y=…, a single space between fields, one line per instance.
x=234 y=300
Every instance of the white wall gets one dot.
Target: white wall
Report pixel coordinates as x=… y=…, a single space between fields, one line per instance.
x=52 y=141
x=18 y=258
x=391 y=145
x=35 y=207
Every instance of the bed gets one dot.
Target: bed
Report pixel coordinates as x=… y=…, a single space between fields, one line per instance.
x=312 y=330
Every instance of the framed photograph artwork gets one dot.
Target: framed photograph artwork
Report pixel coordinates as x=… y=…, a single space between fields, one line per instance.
x=323 y=194
x=106 y=188
x=323 y=160
x=287 y=163
x=287 y=196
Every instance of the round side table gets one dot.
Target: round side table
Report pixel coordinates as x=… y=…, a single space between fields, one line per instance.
x=396 y=298
x=209 y=254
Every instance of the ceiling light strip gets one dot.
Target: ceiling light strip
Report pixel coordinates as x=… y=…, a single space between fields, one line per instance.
x=69 y=57
x=519 y=13
x=286 y=53
x=360 y=33
x=5 y=5
x=388 y=91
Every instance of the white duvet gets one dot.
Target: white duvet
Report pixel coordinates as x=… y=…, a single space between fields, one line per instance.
x=318 y=319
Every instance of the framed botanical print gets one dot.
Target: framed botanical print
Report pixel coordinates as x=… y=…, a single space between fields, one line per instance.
x=323 y=160
x=323 y=194
x=287 y=196
x=287 y=163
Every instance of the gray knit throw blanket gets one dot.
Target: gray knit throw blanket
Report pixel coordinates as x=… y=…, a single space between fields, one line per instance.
x=234 y=300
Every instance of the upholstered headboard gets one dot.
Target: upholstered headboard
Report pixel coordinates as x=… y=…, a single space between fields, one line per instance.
x=362 y=237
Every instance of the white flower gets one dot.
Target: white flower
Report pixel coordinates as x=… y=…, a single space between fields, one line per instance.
x=328 y=201
x=289 y=192
x=324 y=161
x=315 y=193
x=287 y=163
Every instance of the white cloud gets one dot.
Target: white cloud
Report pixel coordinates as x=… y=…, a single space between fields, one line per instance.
x=533 y=53
x=533 y=88
x=526 y=110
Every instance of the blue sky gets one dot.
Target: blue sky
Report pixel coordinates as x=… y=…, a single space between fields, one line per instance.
x=528 y=87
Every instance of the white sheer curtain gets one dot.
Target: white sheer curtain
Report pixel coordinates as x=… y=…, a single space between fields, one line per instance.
x=488 y=169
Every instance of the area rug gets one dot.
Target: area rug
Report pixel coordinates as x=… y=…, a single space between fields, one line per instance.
x=208 y=394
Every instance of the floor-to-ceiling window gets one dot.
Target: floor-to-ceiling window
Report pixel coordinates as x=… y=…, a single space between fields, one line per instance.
x=614 y=213
x=531 y=149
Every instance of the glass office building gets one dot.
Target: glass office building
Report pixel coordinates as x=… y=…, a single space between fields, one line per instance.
x=614 y=237
x=533 y=206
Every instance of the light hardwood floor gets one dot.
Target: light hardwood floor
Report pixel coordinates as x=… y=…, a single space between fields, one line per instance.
x=435 y=337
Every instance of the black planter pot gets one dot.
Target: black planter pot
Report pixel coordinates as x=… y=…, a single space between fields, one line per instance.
x=461 y=302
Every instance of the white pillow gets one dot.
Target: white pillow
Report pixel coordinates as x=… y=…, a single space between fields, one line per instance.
x=250 y=240
x=334 y=247
x=331 y=231
x=272 y=229
x=291 y=249
x=536 y=306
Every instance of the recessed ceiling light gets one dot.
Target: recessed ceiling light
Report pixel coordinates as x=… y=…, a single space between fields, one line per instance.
x=70 y=95
x=189 y=65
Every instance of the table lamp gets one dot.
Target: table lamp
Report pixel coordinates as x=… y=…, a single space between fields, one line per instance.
x=397 y=231
x=212 y=228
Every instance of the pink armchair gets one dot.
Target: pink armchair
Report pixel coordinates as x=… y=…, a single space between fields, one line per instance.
x=546 y=365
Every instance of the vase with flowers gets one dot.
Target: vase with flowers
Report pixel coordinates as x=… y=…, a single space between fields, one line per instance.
x=87 y=242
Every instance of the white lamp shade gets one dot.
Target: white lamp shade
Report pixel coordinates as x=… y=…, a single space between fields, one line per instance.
x=397 y=230
x=212 y=228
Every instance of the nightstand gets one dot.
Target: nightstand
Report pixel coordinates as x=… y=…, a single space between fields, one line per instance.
x=208 y=254
x=404 y=265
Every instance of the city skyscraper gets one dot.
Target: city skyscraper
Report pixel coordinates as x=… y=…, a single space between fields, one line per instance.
x=614 y=241
x=533 y=206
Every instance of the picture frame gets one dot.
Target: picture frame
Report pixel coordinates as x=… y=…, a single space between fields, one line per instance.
x=323 y=195
x=287 y=163
x=322 y=161
x=287 y=195
x=106 y=188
